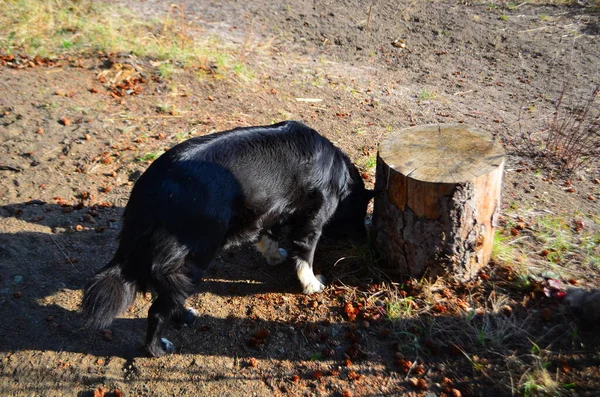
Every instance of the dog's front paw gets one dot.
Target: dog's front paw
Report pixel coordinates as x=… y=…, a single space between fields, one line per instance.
x=316 y=286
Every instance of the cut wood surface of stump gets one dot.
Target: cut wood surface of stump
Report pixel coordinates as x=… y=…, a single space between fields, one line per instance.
x=440 y=193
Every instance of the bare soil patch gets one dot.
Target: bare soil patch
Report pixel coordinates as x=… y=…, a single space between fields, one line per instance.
x=76 y=133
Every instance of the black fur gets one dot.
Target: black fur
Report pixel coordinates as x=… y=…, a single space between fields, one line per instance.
x=217 y=191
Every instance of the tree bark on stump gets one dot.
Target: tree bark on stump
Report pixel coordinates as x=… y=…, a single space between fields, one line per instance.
x=440 y=193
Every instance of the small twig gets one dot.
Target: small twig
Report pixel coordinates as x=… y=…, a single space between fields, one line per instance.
x=368 y=27
x=271 y=277
x=462 y=92
x=534 y=29
x=414 y=364
x=149 y=117
x=310 y=100
x=64 y=253
x=10 y=168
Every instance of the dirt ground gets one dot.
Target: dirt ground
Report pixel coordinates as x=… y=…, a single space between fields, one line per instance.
x=70 y=152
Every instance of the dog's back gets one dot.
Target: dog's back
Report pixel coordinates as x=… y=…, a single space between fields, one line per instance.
x=220 y=190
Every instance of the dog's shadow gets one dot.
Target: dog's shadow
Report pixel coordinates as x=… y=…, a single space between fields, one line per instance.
x=48 y=253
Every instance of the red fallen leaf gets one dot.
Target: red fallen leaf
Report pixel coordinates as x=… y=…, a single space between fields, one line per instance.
x=100 y=391
x=514 y=231
x=333 y=372
x=252 y=362
x=419 y=370
x=447 y=381
x=578 y=225
x=346 y=393
x=365 y=175
x=317 y=375
x=422 y=384
x=439 y=308
x=520 y=226
x=455 y=393
x=295 y=378
x=352 y=375
x=404 y=365
x=350 y=311
x=544 y=252
x=572 y=281
x=484 y=276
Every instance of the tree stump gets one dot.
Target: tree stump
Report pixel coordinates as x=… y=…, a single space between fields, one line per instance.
x=440 y=193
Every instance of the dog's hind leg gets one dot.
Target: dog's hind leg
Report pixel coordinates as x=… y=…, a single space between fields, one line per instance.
x=172 y=290
x=269 y=248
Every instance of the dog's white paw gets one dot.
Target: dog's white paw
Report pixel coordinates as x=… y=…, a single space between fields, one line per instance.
x=271 y=251
x=315 y=287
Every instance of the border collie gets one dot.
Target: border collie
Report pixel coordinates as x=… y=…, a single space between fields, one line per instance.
x=217 y=191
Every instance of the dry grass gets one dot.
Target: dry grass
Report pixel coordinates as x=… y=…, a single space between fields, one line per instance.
x=569 y=137
x=59 y=27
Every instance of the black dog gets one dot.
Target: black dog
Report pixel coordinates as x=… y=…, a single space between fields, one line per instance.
x=217 y=191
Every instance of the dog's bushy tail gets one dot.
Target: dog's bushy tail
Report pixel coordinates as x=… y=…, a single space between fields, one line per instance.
x=106 y=295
